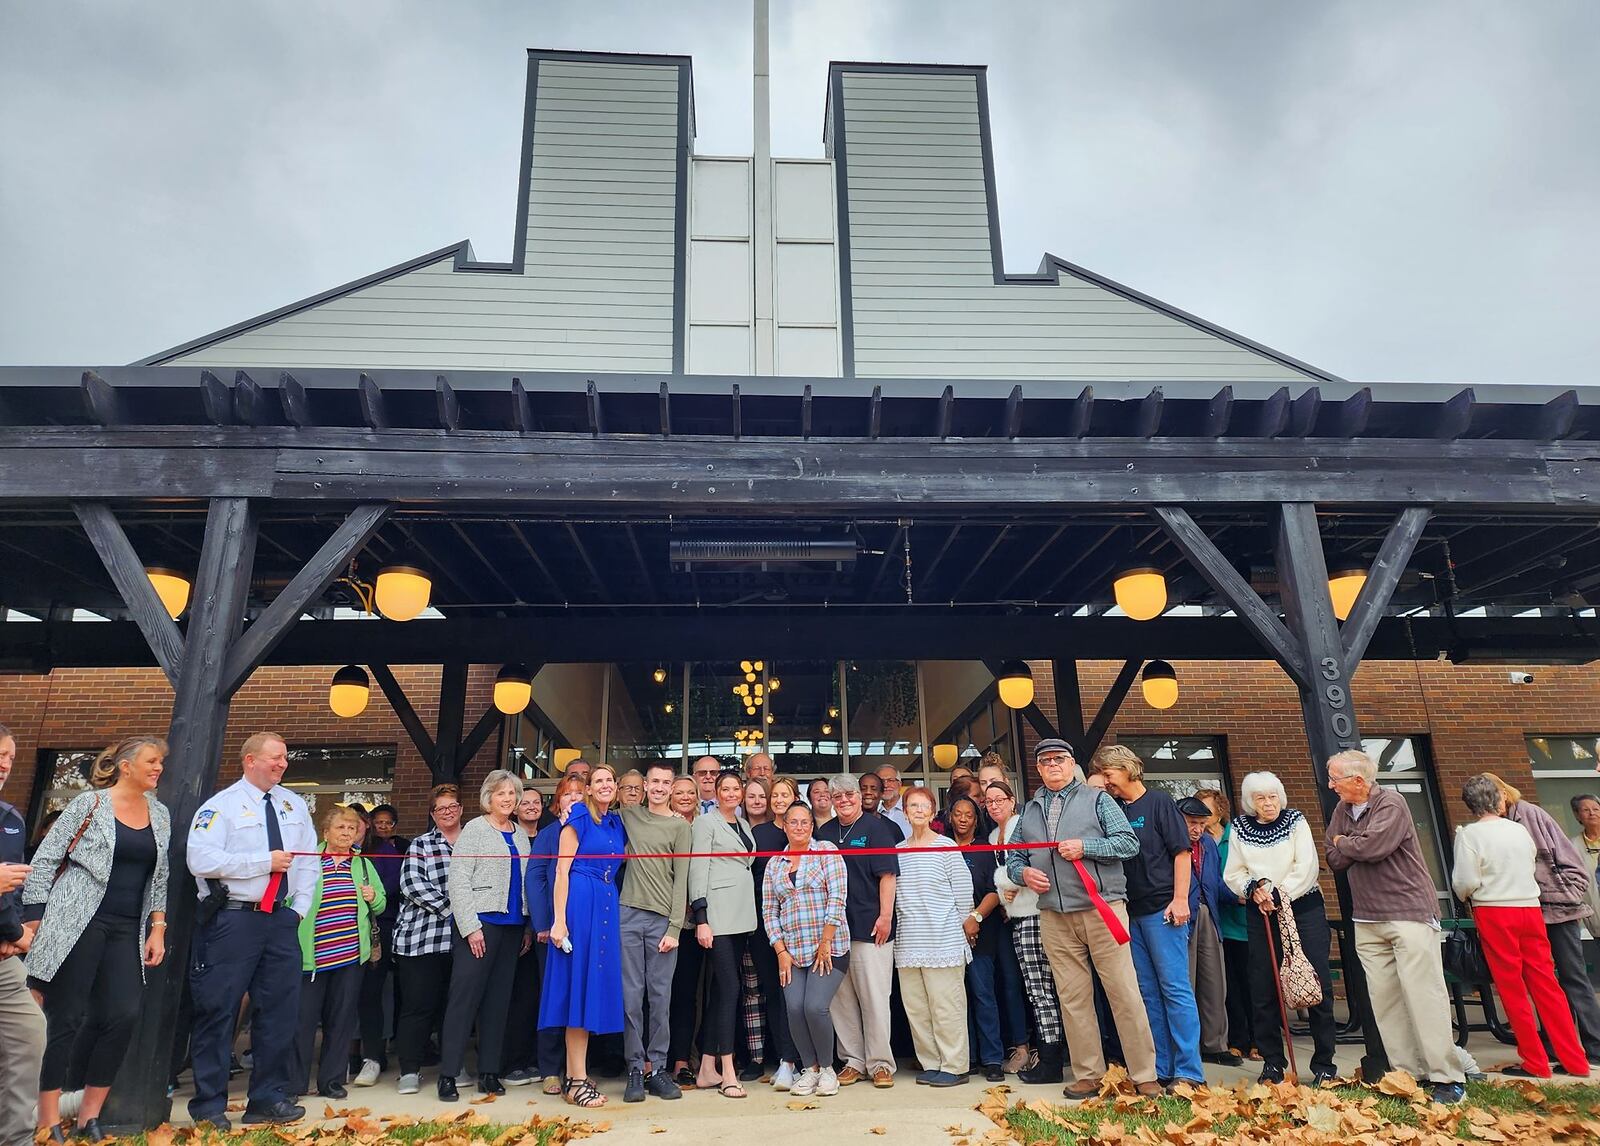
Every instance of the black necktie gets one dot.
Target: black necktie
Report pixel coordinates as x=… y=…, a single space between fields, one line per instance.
x=275 y=843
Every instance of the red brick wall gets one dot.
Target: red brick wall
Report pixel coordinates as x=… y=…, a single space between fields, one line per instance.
x=88 y=708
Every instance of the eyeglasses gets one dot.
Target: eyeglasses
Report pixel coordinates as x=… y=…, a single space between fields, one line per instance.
x=437 y=808
x=1054 y=761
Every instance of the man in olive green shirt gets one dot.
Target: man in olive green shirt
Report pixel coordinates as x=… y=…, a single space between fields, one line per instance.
x=655 y=894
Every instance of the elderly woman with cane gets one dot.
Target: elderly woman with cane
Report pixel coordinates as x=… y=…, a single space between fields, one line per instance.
x=1272 y=865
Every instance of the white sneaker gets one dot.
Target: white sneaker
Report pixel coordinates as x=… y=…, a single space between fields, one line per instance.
x=409 y=1084
x=827 y=1083
x=71 y=1100
x=783 y=1077
x=367 y=1075
x=805 y=1082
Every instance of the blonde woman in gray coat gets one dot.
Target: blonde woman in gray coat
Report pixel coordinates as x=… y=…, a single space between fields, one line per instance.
x=92 y=942
x=722 y=902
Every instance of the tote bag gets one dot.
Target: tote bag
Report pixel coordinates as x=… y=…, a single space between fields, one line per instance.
x=1302 y=988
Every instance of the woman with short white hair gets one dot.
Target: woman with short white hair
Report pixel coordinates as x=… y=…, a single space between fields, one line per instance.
x=1272 y=863
x=491 y=917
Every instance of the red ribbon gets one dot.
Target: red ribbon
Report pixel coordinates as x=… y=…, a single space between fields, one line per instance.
x=1011 y=847
x=269 y=898
x=1118 y=931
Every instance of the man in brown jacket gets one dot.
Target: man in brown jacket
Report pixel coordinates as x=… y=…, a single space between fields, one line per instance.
x=1372 y=839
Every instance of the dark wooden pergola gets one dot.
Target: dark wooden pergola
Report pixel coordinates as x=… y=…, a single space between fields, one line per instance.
x=911 y=518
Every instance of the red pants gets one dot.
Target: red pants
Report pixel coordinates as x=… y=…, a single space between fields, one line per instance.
x=1517 y=950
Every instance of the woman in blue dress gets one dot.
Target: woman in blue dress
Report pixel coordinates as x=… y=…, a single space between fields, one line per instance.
x=583 y=977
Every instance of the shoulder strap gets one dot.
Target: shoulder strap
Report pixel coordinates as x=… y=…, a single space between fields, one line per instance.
x=83 y=827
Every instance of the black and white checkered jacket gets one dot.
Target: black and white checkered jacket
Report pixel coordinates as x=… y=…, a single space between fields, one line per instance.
x=425 y=926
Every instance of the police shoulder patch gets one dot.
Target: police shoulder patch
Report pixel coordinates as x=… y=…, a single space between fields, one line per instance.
x=205 y=819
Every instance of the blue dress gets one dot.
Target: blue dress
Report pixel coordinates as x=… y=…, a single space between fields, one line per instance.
x=584 y=989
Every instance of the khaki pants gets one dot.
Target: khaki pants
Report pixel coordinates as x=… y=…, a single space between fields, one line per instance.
x=21 y=1052
x=935 y=999
x=1210 y=979
x=860 y=1010
x=1075 y=941
x=1405 y=981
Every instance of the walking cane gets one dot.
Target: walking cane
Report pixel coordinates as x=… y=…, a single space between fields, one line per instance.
x=1277 y=982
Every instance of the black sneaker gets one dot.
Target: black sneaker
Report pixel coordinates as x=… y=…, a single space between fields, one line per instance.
x=333 y=1090
x=1271 y=1074
x=993 y=1072
x=273 y=1115
x=1449 y=1093
x=522 y=1076
x=1222 y=1058
x=1322 y=1076
x=660 y=1084
x=219 y=1122
x=490 y=1084
x=447 y=1089
x=634 y=1091
x=750 y=1072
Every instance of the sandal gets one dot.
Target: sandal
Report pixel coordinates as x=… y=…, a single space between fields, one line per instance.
x=581 y=1092
x=727 y=1088
x=685 y=1078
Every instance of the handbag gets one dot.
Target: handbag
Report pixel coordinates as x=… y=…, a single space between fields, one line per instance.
x=375 y=944
x=1463 y=956
x=1302 y=988
x=76 y=836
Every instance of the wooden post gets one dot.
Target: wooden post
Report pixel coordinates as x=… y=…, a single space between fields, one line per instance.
x=199 y=720
x=1069 y=701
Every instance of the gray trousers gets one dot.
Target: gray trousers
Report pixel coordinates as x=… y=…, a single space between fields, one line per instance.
x=1566 y=945
x=646 y=974
x=1210 y=978
x=808 y=999
x=22 y=1036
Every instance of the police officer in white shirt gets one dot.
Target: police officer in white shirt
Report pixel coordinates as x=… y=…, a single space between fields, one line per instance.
x=242 y=847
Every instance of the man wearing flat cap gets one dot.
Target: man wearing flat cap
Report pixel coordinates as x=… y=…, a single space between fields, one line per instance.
x=1083 y=830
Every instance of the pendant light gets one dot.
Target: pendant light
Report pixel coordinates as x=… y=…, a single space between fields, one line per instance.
x=172 y=587
x=348 y=693
x=945 y=756
x=1141 y=592
x=513 y=689
x=1159 y=685
x=563 y=757
x=1016 y=684
x=402 y=591
x=659 y=675
x=1345 y=578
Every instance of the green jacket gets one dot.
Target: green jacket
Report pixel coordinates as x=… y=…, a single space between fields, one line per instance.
x=362 y=871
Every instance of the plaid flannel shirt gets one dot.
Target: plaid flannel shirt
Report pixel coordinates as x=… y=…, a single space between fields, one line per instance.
x=425 y=926
x=798 y=915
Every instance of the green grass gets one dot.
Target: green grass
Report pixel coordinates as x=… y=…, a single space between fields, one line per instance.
x=1082 y=1121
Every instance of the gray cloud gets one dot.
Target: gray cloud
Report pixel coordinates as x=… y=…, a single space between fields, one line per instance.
x=1388 y=191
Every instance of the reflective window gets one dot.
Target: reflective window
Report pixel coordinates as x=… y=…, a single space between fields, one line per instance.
x=1564 y=767
x=1181 y=765
x=345 y=773
x=68 y=772
x=1403 y=767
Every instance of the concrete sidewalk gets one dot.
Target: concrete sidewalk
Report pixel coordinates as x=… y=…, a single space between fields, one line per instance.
x=906 y=1113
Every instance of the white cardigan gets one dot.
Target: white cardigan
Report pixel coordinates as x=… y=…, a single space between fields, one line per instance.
x=1026 y=903
x=1289 y=863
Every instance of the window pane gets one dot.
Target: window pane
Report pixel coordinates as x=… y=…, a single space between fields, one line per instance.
x=885 y=724
x=964 y=714
x=1564 y=767
x=564 y=714
x=1180 y=765
x=341 y=773
x=1401 y=769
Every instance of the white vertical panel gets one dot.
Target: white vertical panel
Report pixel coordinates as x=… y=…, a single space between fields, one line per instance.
x=719 y=281
x=719 y=349
x=720 y=205
x=809 y=352
x=807 y=283
x=804 y=208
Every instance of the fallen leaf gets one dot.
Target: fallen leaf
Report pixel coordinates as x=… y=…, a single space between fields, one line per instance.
x=1323 y=1117
x=160 y=1136
x=797 y=1104
x=1400 y=1084
x=878 y=1130
x=484 y=1101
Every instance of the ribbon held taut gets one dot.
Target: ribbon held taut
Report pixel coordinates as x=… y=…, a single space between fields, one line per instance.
x=1118 y=931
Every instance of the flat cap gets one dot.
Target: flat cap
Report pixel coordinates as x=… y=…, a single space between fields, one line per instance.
x=1052 y=744
x=1194 y=806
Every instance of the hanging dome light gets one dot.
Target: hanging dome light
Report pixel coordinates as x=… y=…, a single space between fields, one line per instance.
x=1159 y=685
x=1016 y=684
x=827 y=729
x=513 y=689
x=1345 y=578
x=172 y=587
x=773 y=684
x=833 y=711
x=760 y=665
x=402 y=591
x=563 y=757
x=659 y=675
x=1141 y=592
x=746 y=666
x=945 y=756
x=771 y=719
x=348 y=693
x=669 y=708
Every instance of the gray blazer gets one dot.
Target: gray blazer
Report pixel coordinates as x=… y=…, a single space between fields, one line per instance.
x=70 y=902
x=724 y=882
x=482 y=886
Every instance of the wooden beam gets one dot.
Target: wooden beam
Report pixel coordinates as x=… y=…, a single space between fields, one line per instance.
x=1032 y=560
x=249 y=401
x=1069 y=703
x=1147 y=423
x=538 y=561
x=216 y=398
x=374 y=410
x=875 y=413
x=891 y=560
x=972 y=570
x=1107 y=712
x=946 y=413
x=403 y=710
x=486 y=724
x=1274 y=414
x=522 y=408
x=928 y=571
x=1012 y=422
x=313 y=579
x=738 y=422
x=101 y=400
x=296 y=404
x=1210 y=563
x=1382 y=579
x=483 y=558
x=805 y=411
x=666 y=411
x=448 y=405
x=597 y=424
x=447 y=763
x=1303 y=412
x=1557 y=416
x=588 y=562
x=1455 y=415
x=1082 y=413
x=133 y=583
x=1220 y=413
x=1355 y=412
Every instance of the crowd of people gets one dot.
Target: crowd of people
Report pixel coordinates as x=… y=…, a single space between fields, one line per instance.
x=710 y=930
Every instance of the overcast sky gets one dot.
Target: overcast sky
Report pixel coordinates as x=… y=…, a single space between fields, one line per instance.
x=1388 y=190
